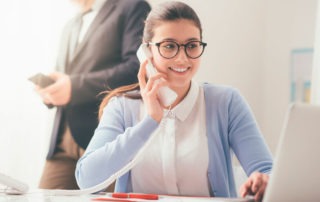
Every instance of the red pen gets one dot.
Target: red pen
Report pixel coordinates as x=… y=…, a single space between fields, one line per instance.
x=112 y=199
x=127 y=197
x=135 y=196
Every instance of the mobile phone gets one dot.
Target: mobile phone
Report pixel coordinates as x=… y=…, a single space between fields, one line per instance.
x=166 y=95
x=41 y=80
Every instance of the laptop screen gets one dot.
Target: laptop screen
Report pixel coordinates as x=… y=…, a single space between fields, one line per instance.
x=296 y=171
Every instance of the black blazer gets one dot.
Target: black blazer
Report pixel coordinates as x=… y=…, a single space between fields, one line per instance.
x=105 y=59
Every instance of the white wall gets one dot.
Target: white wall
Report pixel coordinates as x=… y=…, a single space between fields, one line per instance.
x=290 y=25
x=29 y=39
x=315 y=87
x=249 y=46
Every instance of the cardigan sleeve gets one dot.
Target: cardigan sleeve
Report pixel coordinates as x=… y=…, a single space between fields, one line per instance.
x=113 y=145
x=245 y=137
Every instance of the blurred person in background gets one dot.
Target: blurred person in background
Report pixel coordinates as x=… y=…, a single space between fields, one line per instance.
x=97 y=52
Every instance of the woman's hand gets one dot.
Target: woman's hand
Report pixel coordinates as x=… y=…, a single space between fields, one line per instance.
x=255 y=185
x=149 y=91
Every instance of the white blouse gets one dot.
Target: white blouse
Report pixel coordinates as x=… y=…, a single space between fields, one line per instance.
x=176 y=161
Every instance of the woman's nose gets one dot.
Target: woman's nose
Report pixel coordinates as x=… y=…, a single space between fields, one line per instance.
x=182 y=55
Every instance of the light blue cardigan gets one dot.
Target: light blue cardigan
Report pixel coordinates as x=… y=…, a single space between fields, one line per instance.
x=230 y=126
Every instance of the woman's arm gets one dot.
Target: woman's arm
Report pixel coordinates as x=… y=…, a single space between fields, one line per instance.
x=249 y=146
x=113 y=144
x=246 y=139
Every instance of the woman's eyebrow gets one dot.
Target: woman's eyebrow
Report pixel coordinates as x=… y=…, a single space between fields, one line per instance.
x=175 y=40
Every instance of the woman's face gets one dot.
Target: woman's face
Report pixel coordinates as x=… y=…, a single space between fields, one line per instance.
x=179 y=69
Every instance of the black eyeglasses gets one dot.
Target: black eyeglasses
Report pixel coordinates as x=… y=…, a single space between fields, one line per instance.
x=169 y=49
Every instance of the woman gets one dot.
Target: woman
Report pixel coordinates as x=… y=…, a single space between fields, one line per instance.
x=190 y=141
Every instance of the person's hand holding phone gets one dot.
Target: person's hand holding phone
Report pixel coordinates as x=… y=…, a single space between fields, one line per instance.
x=149 y=91
x=166 y=95
x=58 y=93
x=41 y=81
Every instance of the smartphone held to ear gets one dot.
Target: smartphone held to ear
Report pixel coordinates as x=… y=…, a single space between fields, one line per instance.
x=166 y=95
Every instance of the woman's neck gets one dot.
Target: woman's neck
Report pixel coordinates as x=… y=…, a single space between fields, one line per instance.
x=182 y=93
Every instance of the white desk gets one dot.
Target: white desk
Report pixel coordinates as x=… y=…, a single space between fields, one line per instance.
x=43 y=197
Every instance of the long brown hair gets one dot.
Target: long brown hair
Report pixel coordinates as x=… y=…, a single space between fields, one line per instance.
x=168 y=11
x=120 y=91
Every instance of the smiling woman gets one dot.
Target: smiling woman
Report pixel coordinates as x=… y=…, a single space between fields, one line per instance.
x=204 y=122
x=29 y=37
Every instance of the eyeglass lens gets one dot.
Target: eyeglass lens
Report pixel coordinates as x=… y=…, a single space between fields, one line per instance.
x=169 y=49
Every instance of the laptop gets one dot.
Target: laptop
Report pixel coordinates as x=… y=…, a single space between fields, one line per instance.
x=296 y=171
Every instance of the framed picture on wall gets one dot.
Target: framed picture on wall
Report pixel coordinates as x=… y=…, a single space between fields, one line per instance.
x=300 y=74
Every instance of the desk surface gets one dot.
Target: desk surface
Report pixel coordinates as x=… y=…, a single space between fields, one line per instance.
x=43 y=197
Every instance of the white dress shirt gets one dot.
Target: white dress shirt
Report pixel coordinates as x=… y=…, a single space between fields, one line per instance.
x=88 y=18
x=176 y=161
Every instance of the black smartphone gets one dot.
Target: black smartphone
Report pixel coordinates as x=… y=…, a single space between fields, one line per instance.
x=41 y=80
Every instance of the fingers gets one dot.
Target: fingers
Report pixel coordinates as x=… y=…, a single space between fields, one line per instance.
x=51 y=88
x=48 y=92
x=246 y=188
x=155 y=81
x=58 y=93
x=255 y=185
x=47 y=99
x=142 y=74
x=260 y=187
x=56 y=75
x=149 y=88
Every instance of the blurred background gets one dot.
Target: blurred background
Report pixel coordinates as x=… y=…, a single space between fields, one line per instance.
x=260 y=47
